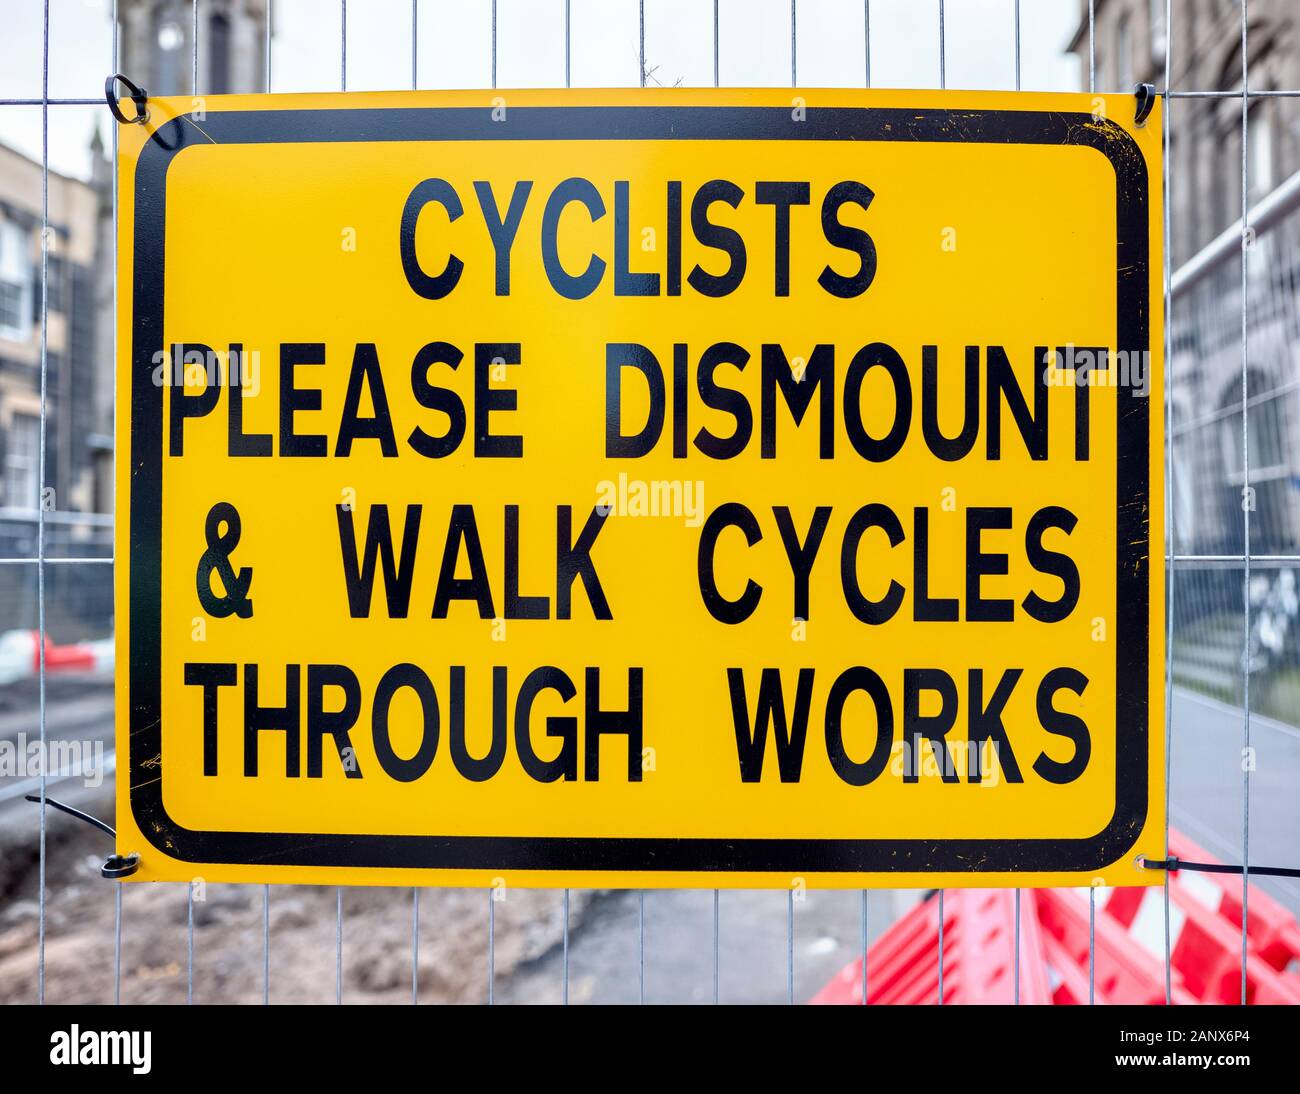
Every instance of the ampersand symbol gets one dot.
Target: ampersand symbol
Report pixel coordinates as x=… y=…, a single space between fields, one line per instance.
x=217 y=558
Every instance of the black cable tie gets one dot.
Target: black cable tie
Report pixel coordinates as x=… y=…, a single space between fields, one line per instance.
x=120 y=866
x=1145 y=94
x=139 y=96
x=1173 y=865
x=95 y=821
x=116 y=866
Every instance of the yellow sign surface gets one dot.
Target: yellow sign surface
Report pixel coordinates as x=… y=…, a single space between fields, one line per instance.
x=641 y=488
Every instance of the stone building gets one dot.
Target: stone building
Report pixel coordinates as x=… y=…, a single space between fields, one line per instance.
x=157 y=45
x=1205 y=135
x=77 y=441
x=1213 y=498
x=156 y=50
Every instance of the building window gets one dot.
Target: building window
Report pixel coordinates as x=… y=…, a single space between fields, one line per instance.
x=15 y=283
x=1159 y=32
x=23 y=462
x=1270 y=469
x=1124 y=54
x=54 y=277
x=1268 y=454
x=1259 y=149
x=219 y=54
x=171 y=40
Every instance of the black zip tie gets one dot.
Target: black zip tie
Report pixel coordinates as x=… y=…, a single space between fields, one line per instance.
x=138 y=95
x=1146 y=99
x=116 y=866
x=1174 y=864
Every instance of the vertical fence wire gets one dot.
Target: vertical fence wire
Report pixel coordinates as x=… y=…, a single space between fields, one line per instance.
x=789 y=946
x=717 y=913
x=1015 y=961
x=117 y=897
x=943 y=65
x=492 y=890
x=492 y=941
x=789 y=922
x=940 y=999
x=866 y=39
x=864 y=947
x=1017 y=16
x=40 y=519
x=266 y=945
x=338 y=905
x=1092 y=46
x=567 y=83
x=415 y=891
x=1171 y=526
x=1247 y=505
x=566 y=947
x=117 y=945
x=194 y=58
x=266 y=888
x=943 y=83
x=717 y=947
x=1092 y=945
x=1170 y=507
x=716 y=23
x=189 y=947
x=189 y=888
x=1092 y=88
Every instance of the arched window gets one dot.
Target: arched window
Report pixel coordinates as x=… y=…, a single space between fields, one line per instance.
x=1270 y=465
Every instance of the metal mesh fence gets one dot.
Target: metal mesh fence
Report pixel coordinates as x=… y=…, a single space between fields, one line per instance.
x=1209 y=478
x=1234 y=535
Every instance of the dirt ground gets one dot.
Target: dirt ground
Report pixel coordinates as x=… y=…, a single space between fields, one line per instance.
x=228 y=949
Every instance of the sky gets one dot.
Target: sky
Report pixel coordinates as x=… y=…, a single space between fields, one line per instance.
x=454 y=43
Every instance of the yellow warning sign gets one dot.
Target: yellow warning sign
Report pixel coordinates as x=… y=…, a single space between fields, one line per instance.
x=644 y=488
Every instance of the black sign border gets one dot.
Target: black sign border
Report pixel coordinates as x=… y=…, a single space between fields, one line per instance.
x=574 y=854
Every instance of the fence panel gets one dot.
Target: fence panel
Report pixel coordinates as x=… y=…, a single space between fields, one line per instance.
x=1233 y=416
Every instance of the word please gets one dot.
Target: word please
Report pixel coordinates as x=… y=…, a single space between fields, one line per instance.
x=722 y=400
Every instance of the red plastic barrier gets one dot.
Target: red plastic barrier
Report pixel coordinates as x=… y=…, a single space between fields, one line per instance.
x=1270 y=928
x=1205 y=932
x=1124 y=971
x=1207 y=953
x=1128 y=952
x=979 y=955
